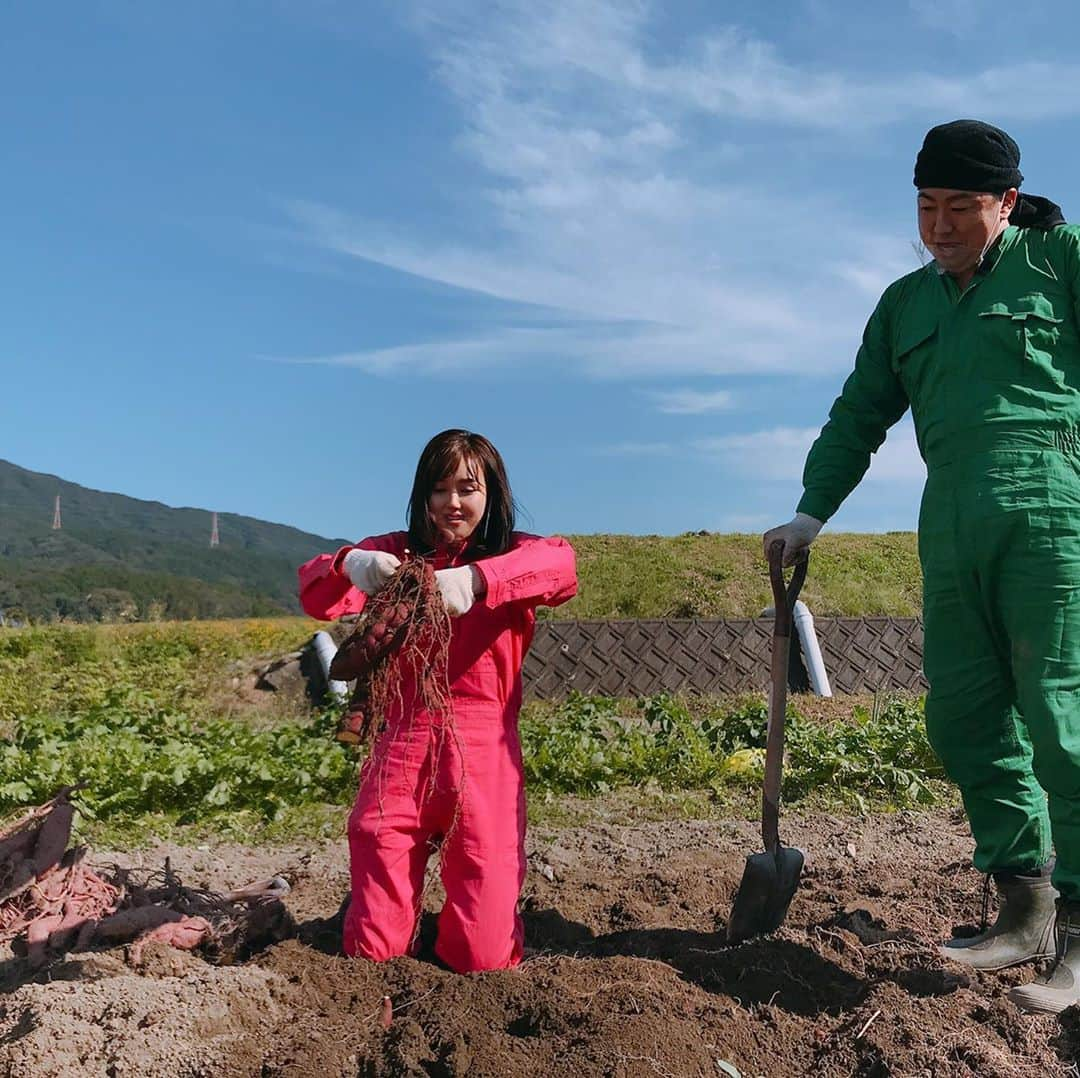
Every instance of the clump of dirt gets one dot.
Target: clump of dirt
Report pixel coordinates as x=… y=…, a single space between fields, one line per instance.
x=627 y=973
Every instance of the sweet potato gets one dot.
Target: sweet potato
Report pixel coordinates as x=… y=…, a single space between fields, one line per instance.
x=130 y=923
x=19 y=843
x=53 y=838
x=16 y=877
x=408 y=617
x=185 y=934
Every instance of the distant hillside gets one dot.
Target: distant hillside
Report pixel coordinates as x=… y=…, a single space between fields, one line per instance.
x=120 y=557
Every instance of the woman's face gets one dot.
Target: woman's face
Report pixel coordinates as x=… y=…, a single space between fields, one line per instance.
x=457 y=502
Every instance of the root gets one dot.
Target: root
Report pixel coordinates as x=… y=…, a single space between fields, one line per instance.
x=53 y=902
x=397 y=654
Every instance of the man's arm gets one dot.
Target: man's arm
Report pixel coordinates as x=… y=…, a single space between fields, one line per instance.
x=872 y=400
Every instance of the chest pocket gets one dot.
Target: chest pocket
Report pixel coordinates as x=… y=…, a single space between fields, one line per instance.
x=1019 y=341
x=473 y=669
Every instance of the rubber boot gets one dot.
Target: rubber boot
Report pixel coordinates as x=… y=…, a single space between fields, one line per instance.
x=1059 y=987
x=1024 y=929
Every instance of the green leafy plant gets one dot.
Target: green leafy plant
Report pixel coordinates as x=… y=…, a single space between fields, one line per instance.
x=590 y=745
x=136 y=757
x=143 y=715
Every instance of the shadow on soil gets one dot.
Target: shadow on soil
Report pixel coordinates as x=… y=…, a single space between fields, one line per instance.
x=762 y=971
x=767 y=970
x=771 y=971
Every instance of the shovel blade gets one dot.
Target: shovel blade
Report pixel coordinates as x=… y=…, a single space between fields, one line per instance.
x=768 y=885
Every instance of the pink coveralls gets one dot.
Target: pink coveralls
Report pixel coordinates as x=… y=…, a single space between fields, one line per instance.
x=460 y=778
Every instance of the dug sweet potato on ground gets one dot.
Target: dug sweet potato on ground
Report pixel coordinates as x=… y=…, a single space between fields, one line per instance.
x=55 y=902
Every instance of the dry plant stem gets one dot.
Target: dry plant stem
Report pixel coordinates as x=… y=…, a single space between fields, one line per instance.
x=869 y=1022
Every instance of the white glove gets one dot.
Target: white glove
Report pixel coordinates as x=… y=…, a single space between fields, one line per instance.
x=797 y=535
x=457 y=589
x=369 y=570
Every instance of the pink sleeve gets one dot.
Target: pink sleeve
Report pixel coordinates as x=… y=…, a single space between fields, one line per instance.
x=535 y=571
x=326 y=592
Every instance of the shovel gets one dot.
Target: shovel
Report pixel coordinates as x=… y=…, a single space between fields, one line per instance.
x=770 y=879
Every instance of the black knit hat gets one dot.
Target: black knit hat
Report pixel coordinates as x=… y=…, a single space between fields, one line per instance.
x=968 y=155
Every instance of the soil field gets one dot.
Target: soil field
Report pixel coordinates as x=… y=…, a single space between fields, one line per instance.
x=627 y=973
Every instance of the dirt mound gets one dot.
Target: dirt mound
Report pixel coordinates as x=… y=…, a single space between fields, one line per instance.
x=97 y=1017
x=627 y=974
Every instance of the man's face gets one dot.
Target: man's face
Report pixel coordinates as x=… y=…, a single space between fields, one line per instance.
x=957 y=226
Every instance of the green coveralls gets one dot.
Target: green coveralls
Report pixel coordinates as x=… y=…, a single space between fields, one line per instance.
x=992 y=376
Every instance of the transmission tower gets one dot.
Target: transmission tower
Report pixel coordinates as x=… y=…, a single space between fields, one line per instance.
x=56 y=514
x=214 y=538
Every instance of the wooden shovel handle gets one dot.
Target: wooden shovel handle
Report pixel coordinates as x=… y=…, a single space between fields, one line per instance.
x=784 y=596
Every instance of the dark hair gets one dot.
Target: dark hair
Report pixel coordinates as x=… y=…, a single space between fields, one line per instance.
x=440 y=459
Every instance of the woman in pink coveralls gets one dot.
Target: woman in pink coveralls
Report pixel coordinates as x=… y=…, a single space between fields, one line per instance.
x=424 y=785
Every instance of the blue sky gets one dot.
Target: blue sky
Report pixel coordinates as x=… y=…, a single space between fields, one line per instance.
x=255 y=254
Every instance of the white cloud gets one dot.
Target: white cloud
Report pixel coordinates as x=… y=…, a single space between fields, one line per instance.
x=611 y=261
x=638 y=449
x=778 y=454
x=693 y=401
x=738 y=76
x=606 y=196
x=591 y=350
x=880 y=262
x=437 y=357
x=898 y=459
x=727 y=72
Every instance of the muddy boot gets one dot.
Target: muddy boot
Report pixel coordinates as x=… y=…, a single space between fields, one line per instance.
x=1024 y=928
x=1059 y=987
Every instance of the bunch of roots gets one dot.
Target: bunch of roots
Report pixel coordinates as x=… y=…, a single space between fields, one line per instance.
x=52 y=901
x=401 y=644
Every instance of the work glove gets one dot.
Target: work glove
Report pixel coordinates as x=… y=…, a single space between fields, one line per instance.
x=797 y=535
x=369 y=570
x=457 y=589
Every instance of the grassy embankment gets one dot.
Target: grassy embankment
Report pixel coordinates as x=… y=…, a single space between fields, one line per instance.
x=724 y=576
x=156 y=719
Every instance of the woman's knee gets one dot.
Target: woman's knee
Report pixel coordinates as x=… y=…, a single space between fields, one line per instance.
x=363 y=939
x=471 y=948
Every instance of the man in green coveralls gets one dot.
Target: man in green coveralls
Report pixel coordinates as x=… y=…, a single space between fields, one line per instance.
x=983 y=344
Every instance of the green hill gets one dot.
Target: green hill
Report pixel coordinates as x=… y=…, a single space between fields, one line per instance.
x=120 y=557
